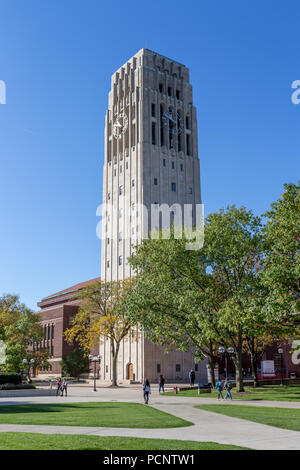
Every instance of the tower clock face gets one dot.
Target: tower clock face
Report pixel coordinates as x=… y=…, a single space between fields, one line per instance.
x=173 y=121
x=120 y=125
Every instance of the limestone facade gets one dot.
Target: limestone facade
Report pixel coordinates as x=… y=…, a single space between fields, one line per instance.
x=151 y=158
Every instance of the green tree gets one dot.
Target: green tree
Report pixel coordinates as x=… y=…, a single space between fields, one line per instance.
x=202 y=298
x=76 y=363
x=20 y=330
x=282 y=263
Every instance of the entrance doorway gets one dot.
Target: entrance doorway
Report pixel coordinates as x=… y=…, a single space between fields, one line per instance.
x=130 y=371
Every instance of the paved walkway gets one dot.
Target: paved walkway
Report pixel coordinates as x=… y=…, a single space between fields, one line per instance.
x=207 y=426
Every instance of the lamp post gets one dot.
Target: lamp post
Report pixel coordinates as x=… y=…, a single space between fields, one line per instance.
x=280 y=351
x=95 y=359
x=227 y=353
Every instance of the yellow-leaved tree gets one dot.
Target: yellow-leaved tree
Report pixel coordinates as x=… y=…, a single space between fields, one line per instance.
x=102 y=316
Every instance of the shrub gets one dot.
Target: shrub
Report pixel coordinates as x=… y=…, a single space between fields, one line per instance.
x=10 y=386
x=10 y=379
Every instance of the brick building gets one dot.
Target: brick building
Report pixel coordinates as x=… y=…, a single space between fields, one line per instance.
x=56 y=311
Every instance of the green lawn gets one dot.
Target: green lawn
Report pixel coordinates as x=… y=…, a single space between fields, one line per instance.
x=268 y=392
x=28 y=441
x=285 y=418
x=119 y=415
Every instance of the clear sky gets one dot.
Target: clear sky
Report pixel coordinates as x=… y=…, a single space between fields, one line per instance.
x=56 y=58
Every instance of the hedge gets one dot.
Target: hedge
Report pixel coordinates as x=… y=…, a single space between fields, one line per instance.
x=10 y=378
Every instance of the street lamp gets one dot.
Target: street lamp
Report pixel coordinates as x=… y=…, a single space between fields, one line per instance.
x=280 y=351
x=95 y=359
x=227 y=353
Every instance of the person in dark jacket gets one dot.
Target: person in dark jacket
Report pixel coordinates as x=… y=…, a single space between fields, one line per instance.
x=220 y=387
x=192 y=377
x=146 y=390
x=161 y=384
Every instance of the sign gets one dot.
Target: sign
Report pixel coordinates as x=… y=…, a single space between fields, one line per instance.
x=268 y=369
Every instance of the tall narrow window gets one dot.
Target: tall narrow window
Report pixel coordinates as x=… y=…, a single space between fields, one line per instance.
x=153 y=134
x=133 y=136
x=161 y=125
x=155 y=182
x=188 y=144
x=177 y=94
x=169 y=91
x=121 y=190
x=160 y=86
x=120 y=260
x=173 y=187
x=153 y=110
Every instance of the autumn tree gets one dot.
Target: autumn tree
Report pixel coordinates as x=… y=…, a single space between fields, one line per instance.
x=101 y=316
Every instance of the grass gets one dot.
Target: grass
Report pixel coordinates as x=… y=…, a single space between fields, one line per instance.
x=285 y=418
x=28 y=441
x=118 y=415
x=267 y=392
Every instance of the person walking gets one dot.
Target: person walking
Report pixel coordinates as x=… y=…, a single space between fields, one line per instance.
x=219 y=387
x=161 y=384
x=147 y=390
x=228 y=386
x=58 y=385
x=192 y=376
x=64 y=388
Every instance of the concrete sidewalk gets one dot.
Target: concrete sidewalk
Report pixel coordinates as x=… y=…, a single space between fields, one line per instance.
x=207 y=426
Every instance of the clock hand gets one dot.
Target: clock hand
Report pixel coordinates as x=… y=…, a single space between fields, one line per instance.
x=171 y=119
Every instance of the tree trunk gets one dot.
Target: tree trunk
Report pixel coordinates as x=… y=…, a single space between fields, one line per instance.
x=238 y=364
x=254 y=370
x=114 y=353
x=211 y=365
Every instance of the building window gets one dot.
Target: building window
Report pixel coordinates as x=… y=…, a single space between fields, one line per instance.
x=120 y=168
x=107 y=263
x=187 y=122
x=190 y=190
x=132 y=183
x=108 y=196
x=169 y=91
x=155 y=182
x=115 y=172
x=106 y=369
x=173 y=187
x=196 y=367
x=153 y=134
x=108 y=241
x=120 y=260
x=121 y=190
x=188 y=144
x=173 y=165
x=178 y=368
x=158 y=368
x=153 y=110
x=160 y=86
x=178 y=94
x=161 y=125
x=126 y=165
x=181 y=166
x=164 y=162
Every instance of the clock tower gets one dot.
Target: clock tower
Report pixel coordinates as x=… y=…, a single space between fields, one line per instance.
x=151 y=158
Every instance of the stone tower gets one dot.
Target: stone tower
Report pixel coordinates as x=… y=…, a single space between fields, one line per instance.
x=151 y=158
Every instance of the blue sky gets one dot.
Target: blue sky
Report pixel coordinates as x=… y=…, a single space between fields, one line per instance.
x=56 y=58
